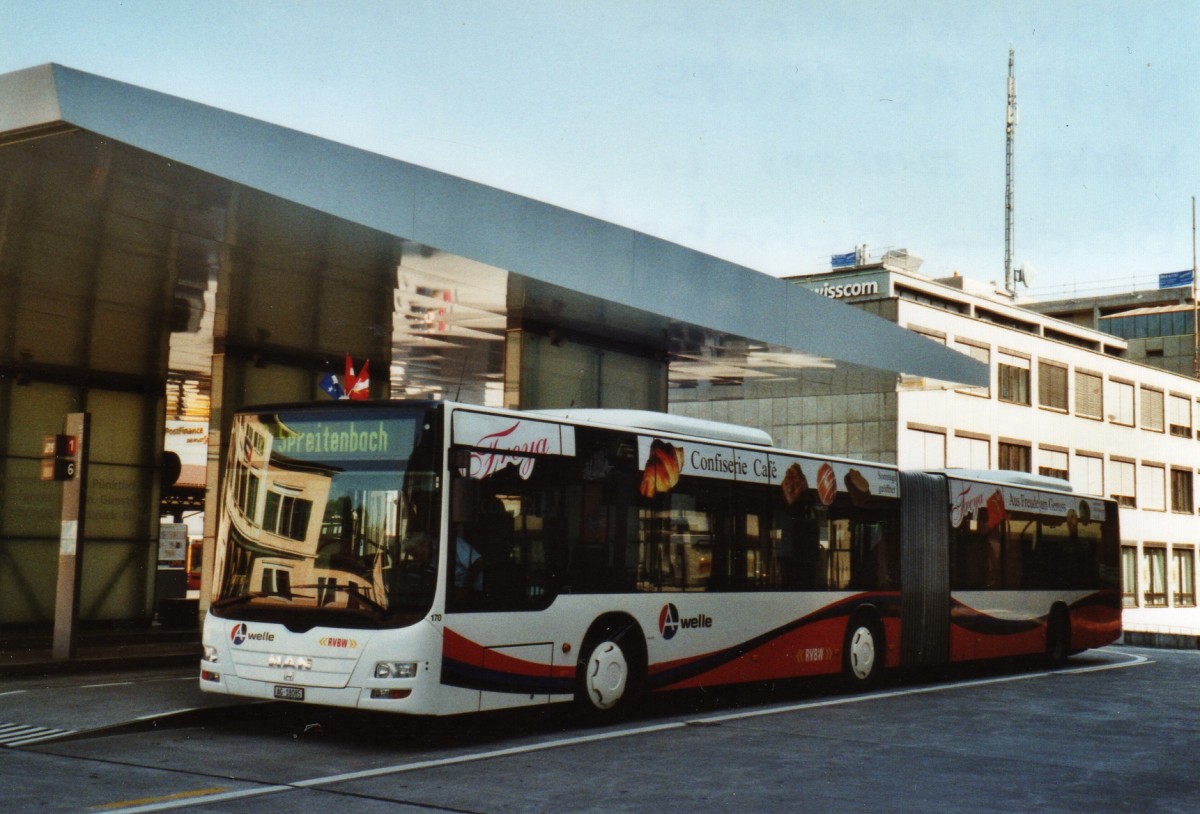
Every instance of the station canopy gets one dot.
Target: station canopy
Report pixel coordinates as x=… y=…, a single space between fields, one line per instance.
x=114 y=166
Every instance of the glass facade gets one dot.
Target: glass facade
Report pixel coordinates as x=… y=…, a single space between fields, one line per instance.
x=1144 y=326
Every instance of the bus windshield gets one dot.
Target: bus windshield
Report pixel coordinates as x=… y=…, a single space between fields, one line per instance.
x=330 y=517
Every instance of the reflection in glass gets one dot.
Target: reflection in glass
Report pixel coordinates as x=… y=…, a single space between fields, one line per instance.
x=330 y=517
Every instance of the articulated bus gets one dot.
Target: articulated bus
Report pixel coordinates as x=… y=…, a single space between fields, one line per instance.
x=434 y=558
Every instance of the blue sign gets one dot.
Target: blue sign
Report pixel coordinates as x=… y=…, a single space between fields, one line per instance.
x=844 y=261
x=1175 y=279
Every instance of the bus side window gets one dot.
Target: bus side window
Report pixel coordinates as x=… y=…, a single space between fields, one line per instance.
x=870 y=553
x=805 y=567
x=970 y=560
x=977 y=554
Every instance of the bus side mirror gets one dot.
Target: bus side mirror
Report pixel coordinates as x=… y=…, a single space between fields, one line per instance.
x=464 y=497
x=460 y=461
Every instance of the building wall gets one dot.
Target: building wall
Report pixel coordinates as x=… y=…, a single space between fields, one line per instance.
x=1054 y=436
x=918 y=423
x=84 y=321
x=845 y=412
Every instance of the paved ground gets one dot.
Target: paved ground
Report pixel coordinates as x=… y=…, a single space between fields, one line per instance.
x=1112 y=732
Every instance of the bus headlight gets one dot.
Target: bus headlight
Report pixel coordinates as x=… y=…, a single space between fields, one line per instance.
x=395 y=669
x=210 y=654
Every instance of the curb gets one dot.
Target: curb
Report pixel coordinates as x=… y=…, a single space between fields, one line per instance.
x=1161 y=641
x=43 y=665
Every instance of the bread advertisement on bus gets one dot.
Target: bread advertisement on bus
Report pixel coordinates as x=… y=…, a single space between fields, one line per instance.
x=969 y=498
x=666 y=461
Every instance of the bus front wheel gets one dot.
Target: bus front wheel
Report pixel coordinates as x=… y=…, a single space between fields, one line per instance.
x=609 y=674
x=863 y=653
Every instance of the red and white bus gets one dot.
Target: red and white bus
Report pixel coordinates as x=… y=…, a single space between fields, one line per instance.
x=434 y=558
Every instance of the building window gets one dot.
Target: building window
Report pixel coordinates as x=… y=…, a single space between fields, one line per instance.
x=1129 y=576
x=1122 y=483
x=1179 y=415
x=1181 y=491
x=971 y=453
x=928 y=449
x=980 y=353
x=909 y=382
x=1089 y=395
x=286 y=515
x=276 y=582
x=1087 y=474
x=1053 y=463
x=905 y=293
x=1013 y=456
x=1183 y=561
x=1152 y=486
x=1143 y=326
x=929 y=333
x=246 y=491
x=1156 y=577
x=1052 y=385
x=1152 y=409
x=1120 y=403
x=1013 y=378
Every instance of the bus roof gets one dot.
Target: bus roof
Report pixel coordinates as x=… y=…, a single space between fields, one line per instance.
x=1010 y=477
x=663 y=422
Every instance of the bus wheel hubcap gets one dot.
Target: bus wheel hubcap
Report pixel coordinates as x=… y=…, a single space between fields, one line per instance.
x=862 y=652
x=606 y=676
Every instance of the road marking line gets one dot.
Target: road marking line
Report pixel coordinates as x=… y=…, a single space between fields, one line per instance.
x=1135 y=661
x=53 y=734
x=18 y=730
x=98 y=686
x=187 y=802
x=12 y=692
x=182 y=795
x=154 y=715
x=24 y=734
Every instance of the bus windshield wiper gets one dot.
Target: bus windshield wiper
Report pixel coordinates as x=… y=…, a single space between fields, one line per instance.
x=239 y=599
x=346 y=589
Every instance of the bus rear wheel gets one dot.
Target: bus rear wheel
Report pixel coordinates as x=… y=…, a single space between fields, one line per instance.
x=1058 y=637
x=863 y=653
x=610 y=672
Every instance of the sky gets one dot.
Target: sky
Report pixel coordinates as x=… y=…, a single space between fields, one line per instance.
x=771 y=134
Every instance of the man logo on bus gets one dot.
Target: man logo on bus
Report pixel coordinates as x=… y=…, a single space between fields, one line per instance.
x=668 y=621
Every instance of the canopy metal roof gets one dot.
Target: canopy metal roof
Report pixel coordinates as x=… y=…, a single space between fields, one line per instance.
x=502 y=254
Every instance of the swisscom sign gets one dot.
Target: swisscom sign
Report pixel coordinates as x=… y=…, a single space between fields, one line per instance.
x=858 y=288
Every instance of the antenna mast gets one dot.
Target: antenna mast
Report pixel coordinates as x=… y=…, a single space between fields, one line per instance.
x=1010 y=130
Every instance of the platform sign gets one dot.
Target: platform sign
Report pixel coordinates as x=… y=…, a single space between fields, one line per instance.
x=59 y=457
x=172 y=545
x=66 y=458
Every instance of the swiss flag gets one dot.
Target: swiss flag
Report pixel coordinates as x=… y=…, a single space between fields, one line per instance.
x=357 y=386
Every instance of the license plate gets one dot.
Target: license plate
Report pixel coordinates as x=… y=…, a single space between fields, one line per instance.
x=290 y=693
